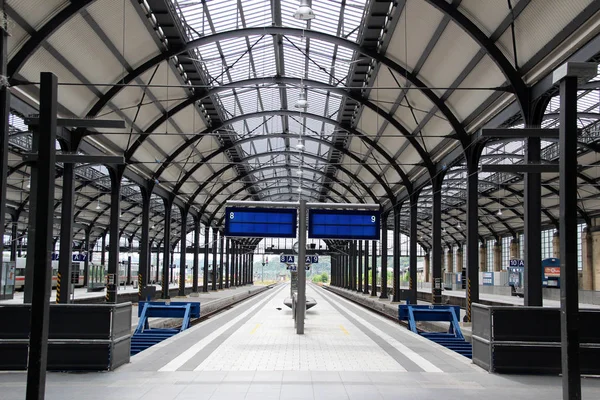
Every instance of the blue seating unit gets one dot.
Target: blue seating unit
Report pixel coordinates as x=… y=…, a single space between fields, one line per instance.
x=453 y=339
x=145 y=337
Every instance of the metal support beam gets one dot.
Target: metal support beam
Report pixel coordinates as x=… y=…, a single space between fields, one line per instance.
x=414 y=212
x=472 y=286
x=436 y=247
x=532 y=168
x=182 y=251
x=4 y=115
x=366 y=277
x=221 y=249
x=168 y=203
x=533 y=227
x=79 y=159
x=301 y=305
x=81 y=123
x=384 y=254
x=358 y=286
x=144 y=265
x=569 y=295
x=396 y=255
x=374 y=269
x=44 y=193
x=289 y=204
x=88 y=256
x=205 y=269
x=63 y=278
x=214 y=260
x=116 y=175
x=228 y=261
x=503 y=133
x=196 y=254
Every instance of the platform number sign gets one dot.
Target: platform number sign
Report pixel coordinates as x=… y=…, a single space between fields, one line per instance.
x=344 y=224
x=260 y=222
x=289 y=259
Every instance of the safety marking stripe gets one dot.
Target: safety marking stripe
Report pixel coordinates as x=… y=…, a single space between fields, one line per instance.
x=253 y=331
x=344 y=330
x=424 y=364
x=187 y=355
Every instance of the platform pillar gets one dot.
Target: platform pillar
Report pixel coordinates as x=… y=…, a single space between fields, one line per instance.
x=145 y=247
x=157 y=278
x=427 y=267
x=168 y=203
x=4 y=128
x=221 y=250
x=498 y=256
x=43 y=192
x=227 y=261
x=13 y=239
x=587 y=276
x=359 y=287
x=472 y=275
x=63 y=276
x=112 y=272
x=366 y=269
x=196 y=262
x=384 y=255
x=396 y=255
x=205 y=269
x=182 y=250
x=214 y=260
x=374 y=268
x=436 y=288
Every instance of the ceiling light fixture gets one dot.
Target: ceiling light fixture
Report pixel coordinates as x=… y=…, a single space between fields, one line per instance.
x=98 y=205
x=302 y=102
x=299 y=171
x=300 y=145
x=304 y=12
x=499 y=213
x=458 y=226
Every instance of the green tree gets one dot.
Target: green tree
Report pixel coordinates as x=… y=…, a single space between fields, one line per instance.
x=325 y=277
x=316 y=278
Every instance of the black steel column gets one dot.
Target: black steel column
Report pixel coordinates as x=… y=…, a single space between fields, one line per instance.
x=227 y=261
x=103 y=253
x=353 y=264
x=145 y=248
x=360 y=266
x=569 y=296
x=366 y=277
x=130 y=248
x=374 y=269
x=182 y=250
x=205 y=273
x=112 y=273
x=63 y=278
x=13 y=240
x=44 y=192
x=221 y=249
x=4 y=115
x=472 y=286
x=88 y=255
x=414 y=198
x=436 y=248
x=158 y=261
x=396 y=255
x=384 y=255
x=214 y=259
x=166 y=248
x=33 y=181
x=533 y=227
x=196 y=254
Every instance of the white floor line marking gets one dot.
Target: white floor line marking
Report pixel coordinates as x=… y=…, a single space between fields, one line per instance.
x=187 y=355
x=424 y=364
x=441 y=348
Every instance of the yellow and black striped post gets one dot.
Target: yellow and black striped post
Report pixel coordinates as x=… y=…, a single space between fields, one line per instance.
x=58 y=279
x=469 y=301
x=140 y=286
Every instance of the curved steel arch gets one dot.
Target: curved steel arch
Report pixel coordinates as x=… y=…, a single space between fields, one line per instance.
x=509 y=72
x=197 y=166
x=287 y=152
x=277 y=178
x=277 y=80
x=277 y=30
x=189 y=142
x=35 y=41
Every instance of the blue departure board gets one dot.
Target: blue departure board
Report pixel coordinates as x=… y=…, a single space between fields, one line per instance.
x=343 y=224
x=260 y=222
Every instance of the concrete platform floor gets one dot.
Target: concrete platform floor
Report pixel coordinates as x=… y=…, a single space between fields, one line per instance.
x=252 y=352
